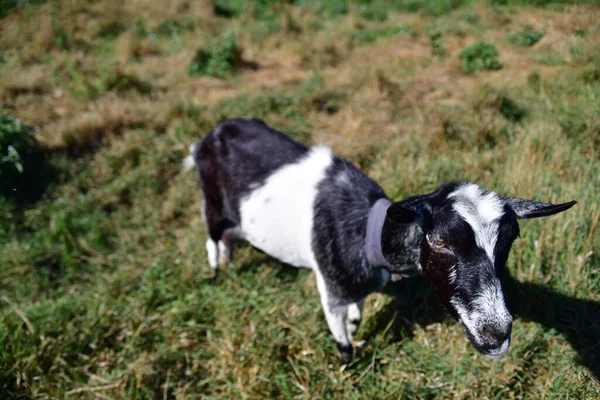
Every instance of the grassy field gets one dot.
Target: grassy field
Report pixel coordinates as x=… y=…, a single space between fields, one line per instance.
x=105 y=290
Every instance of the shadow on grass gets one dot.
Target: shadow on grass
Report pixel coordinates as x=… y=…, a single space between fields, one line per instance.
x=577 y=320
x=33 y=184
x=284 y=273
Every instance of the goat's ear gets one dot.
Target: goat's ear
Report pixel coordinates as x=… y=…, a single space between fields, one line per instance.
x=419 y=214
x=534 y=209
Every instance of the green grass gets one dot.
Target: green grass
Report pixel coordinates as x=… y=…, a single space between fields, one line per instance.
x=478 y=57
x=218 y=58
x=526 y=37
x=105 y=289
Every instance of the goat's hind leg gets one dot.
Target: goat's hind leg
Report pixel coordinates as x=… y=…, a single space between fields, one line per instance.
x=211 y=219
x=226 y=244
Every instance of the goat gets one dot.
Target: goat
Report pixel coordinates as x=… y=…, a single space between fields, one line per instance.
x=308 y=208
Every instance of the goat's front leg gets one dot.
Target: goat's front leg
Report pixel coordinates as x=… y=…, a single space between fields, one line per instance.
x=354 y=317
x=336 y=317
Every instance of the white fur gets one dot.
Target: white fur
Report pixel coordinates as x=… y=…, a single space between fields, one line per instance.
x=482 y=211
x=500 y=350
x=213 y=253
x=354 y=316
x=452 y=274
x=336 y=317
x=278 y=216
x=488 y=307
x=188 y=162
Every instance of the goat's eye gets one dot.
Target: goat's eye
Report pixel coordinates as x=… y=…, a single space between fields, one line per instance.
x=437 y=244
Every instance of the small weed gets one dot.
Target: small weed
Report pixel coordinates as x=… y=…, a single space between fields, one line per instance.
x=470 y=16
x=121 y=81
x=261 y=10
x=591 y=74
x=109 y=31
x=551 y=58
x=435 y=44
x=372 y=35
x=478 y=57
x=335 y=8
x=329 y=102
x=499 y=101
x=511 y=110
x=580 y=124
x=7 y=6
x=435 y=8
x=576 y=52
x=526 y=37
x=218 y=58
x=555 y=5
x=259 y=106
x=534 y=80
x=580 y=33
x=229 y=8
x=140 y=28
x=175 y=28
x=373 y=11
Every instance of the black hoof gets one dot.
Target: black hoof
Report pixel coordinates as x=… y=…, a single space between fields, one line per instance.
x=344 y=353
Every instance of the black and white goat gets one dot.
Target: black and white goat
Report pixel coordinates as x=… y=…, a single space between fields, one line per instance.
x=308 y=208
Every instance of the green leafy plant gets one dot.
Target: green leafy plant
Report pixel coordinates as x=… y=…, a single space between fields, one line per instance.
x=217 y=58
x=526 y=37
x=229 y=8
x=479 y=56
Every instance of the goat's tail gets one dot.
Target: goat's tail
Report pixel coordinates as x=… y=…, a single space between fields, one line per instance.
x=190 y=161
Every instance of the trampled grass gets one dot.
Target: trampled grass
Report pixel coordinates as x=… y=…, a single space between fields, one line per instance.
x=105 y=290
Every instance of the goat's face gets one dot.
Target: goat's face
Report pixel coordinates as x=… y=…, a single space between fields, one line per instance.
x=463 y=256
x=467 y=234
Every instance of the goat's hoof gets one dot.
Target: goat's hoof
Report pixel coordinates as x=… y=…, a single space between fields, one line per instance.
x=344 y=352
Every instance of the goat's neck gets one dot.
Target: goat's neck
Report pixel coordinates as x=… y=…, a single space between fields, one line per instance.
x=401 y=245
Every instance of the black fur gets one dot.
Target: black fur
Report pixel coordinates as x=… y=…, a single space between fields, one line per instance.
x=341 y=209
x=231 y=159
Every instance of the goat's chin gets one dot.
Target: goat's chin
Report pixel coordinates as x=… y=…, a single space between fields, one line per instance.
x=484 y=348
x=493 y=352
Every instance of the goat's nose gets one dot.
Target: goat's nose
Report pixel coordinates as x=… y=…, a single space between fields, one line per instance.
x=495 y=335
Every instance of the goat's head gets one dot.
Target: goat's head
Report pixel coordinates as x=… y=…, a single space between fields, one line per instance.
x=467 y=234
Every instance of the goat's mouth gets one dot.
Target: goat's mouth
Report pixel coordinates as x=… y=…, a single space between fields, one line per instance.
x=492 y=348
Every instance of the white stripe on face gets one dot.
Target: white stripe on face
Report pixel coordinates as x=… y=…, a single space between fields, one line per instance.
x=482 y=211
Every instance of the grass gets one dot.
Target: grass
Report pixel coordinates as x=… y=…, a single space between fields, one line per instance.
x=217 y=59
x=105 y=289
